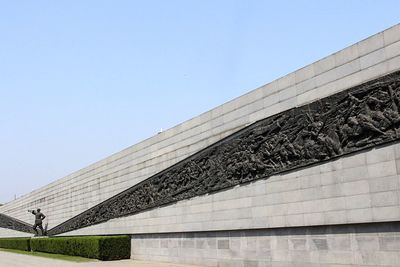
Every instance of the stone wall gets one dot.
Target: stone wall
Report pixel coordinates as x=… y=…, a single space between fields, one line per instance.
x=4 y=232
x=356 y=245
x=360 y=188
x=354 y=189
x=67 y=197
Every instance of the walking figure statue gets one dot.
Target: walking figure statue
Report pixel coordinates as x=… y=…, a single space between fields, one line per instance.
x=38 y=221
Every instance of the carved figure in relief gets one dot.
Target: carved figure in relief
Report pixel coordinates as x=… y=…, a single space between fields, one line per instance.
x=345 y=122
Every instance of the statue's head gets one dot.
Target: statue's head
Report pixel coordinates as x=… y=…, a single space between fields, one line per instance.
x=38 y=210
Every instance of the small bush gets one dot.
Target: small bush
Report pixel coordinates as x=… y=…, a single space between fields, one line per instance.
x=96 y=247
x=15 y=243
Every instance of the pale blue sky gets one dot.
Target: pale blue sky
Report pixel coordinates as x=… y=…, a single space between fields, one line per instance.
x=80 y=80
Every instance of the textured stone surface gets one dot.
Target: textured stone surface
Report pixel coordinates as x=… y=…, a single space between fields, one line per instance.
x=14 y=224
x=85 y=188
x=345 y=245
x=4 y=233
x=347 y=122
x=330 y=193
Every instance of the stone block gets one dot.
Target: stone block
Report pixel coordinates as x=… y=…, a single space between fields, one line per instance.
x=373 y=58
x=388 y=258
x=304 y=74
x=306 y=97
x=328 y=178
x=370 y=44
x=324 y=65
x=380 y=155
x=355 y=188
x=313 y=193
x=348 y=68
x=393 y=64
x=392 y=34
x=297 y=243
x=348 y=81
x=328 y=89
x=358 y=201
x=299 y=258
x=354 y=174
x=250 y=263
x=288 y=103
x=331 y=204
x=223 y=244
x=274 y=198
x=271 y=100
x=336 y=258
x=392 y=50
x=286 y=81
x=256 y=116
x=236 y=114
x=374 y=71
x=188 y=243
x=295 y=208
x=316 y=218
x=309 y=181
x=305 y=86
x=359 y=215
x=386 y=213
x=384 y=184
x=388 y=198
x=269 y=88
x=348 y=54
x=255 y=106
x=232 y=204
x=389 y=243
x=200 y=208
x=294 y=220
x=277 y=221
x=313 y=206
x=326 y=77
x=259 y=222
x=231 y=214
x=319 y=244
x=367 y=243
x=382 y=169
x=279 y=186
x=273 y=109
x=287 y=93
x=339 y=242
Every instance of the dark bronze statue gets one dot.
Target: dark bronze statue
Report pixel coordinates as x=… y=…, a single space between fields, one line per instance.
x=39 y=217
x=359 y=118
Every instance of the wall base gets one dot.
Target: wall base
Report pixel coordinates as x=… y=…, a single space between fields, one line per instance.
x=371 y=244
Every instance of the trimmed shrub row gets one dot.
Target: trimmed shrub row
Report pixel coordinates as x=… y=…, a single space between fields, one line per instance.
x=96 y=247
x=15 y=243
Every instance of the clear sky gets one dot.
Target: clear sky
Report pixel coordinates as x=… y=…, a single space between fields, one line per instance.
x=80 y=80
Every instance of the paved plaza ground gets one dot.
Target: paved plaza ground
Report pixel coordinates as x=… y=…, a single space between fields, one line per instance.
x=8 y=259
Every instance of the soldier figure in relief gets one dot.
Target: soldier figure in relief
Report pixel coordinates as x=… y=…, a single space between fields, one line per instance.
x=38 y=221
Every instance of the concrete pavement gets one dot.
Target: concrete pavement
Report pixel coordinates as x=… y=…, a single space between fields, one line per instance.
x=8 y=259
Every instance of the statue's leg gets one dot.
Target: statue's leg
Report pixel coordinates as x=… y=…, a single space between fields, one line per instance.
x=41 y=229
x=35 y=229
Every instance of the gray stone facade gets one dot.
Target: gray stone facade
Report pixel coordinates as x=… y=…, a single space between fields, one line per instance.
x=345 y=212
x=339 y=245
x=63 y=199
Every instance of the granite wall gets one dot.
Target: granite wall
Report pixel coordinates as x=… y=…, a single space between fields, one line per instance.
x=351 y=192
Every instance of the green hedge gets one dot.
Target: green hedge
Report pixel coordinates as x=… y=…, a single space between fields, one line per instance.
x=96 y=247
x=15 y=243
